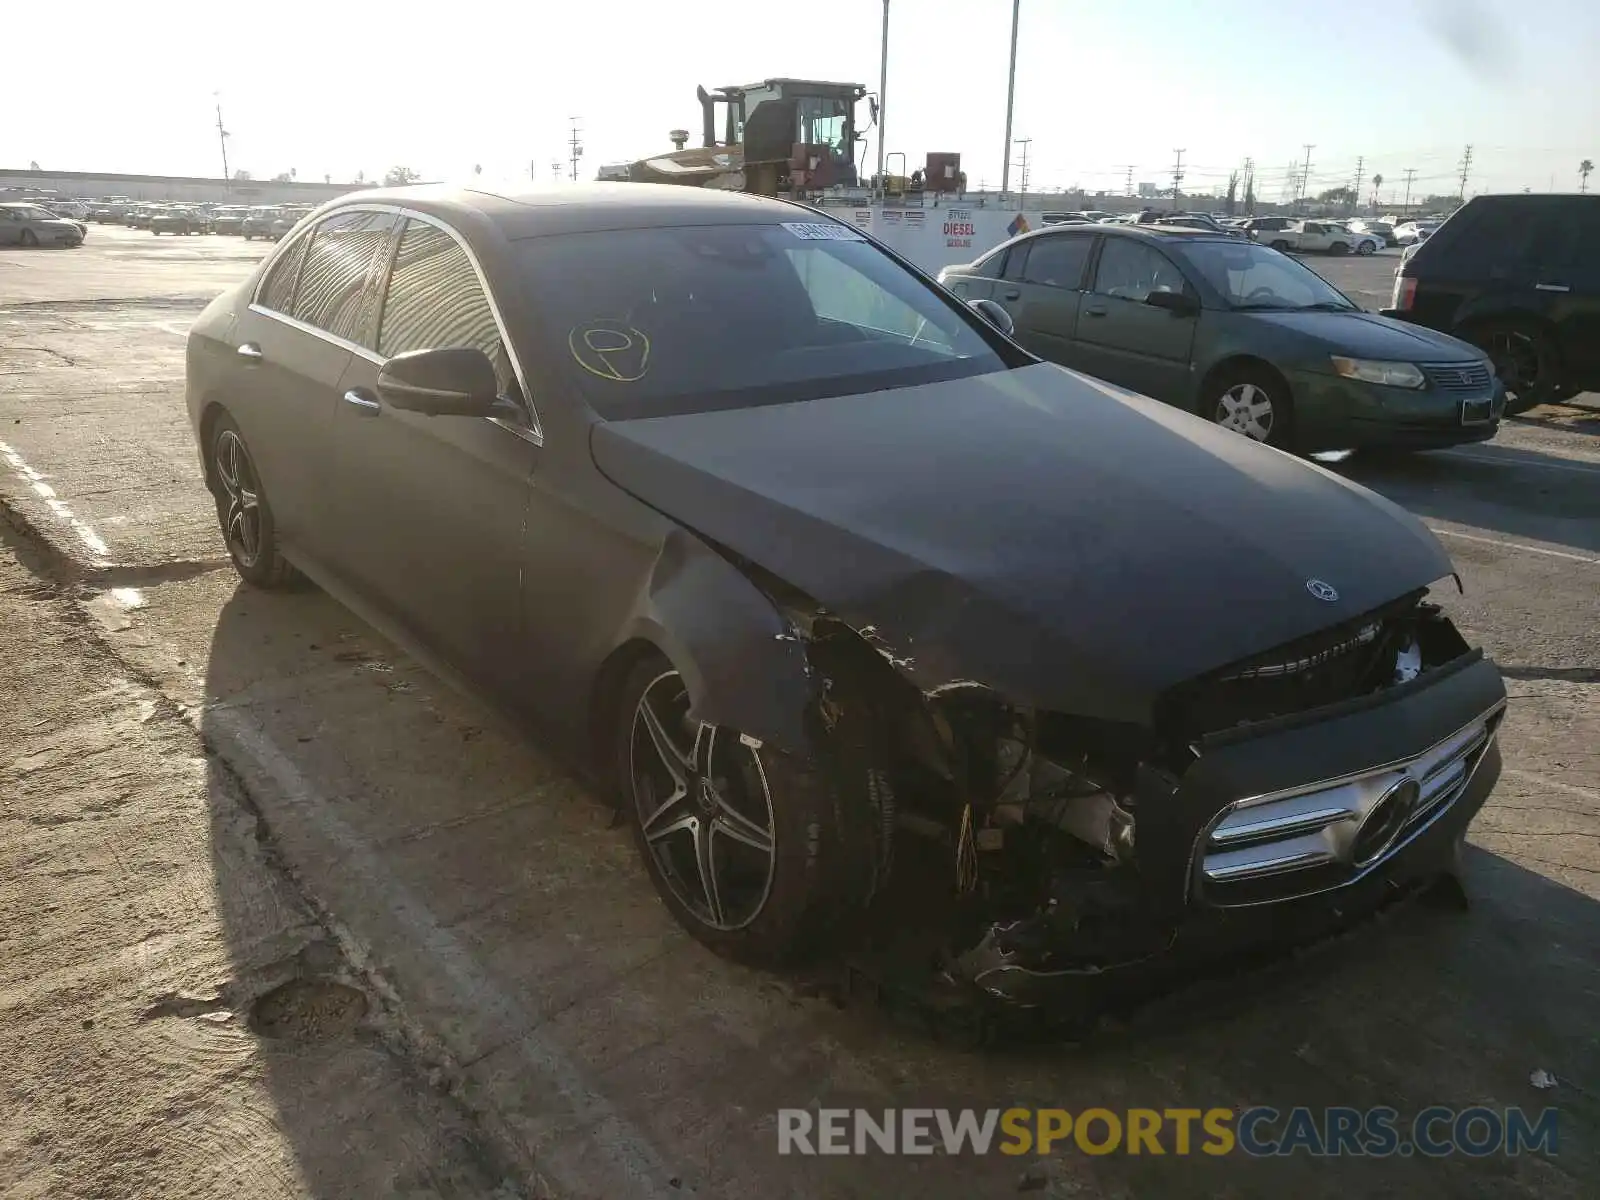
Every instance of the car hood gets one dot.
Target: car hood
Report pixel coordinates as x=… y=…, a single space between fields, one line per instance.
x=1074 y=547
x=1367 y=335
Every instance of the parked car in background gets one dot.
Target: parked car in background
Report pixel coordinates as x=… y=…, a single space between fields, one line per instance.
x=26 y=224
x=229 y=219
x=73 y=210
x=722 y=516
x=1063 y=218
x=1238 y=333
x=139 y=215
x=1183 y=220
x=1380 y=229
x=1281 y=233
x=257 y=223
x=287 y=218
x=180 y=220
x=1412 y=232
x=1360 y=242
x=1518 y=275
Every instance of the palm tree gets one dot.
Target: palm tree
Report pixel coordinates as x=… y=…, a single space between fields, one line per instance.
x=1583 y=174
x=1377 y=182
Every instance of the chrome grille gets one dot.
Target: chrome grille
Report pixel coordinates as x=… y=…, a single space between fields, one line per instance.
x=1461 y=379
x=1313 y=838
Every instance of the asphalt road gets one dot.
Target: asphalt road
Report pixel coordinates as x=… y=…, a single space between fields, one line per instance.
x=518 y=954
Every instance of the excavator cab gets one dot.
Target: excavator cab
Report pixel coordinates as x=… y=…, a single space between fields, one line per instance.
x=780 y=135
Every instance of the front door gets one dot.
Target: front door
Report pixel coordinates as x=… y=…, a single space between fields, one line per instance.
x=1130 y=343
x=1041 y=289
x=431 y=510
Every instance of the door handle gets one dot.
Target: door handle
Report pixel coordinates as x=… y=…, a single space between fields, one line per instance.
x=1096 y=310
x=1551 y=287
x=365 y=404
x=1013 y=294
x=250 y=352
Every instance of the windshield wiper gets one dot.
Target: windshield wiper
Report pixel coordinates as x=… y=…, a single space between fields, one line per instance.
x=1328 y=306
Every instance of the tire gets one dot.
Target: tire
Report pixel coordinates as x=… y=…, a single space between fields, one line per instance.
x=1281 y=246
x=774 y=829
x=240 y=499
x=154 y=232
x=1526 y=360
x=28 y=238
x=1234 y=399
x=1366 y=249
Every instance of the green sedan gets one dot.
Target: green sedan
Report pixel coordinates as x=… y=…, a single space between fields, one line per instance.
x=1236 y=332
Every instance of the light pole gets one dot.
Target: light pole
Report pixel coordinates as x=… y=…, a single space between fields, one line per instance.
x=1011 y=94
x=883 y=87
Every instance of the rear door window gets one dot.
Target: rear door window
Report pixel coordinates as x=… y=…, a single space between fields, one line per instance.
x=1130 y=270
x=1059 y=261
x=336 y=280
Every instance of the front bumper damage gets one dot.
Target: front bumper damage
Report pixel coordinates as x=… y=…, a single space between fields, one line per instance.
x=1338 y=817
x=1079 y=864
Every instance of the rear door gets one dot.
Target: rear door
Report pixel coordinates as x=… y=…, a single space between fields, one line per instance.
x=430 y=511
x=309 y=312
x=1042 y=287
x=1125 y=341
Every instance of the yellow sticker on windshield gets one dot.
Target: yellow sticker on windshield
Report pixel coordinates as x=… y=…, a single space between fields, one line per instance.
x=610 y=349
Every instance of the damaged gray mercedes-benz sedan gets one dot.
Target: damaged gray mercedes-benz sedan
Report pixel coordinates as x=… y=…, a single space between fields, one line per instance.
x=816 y=565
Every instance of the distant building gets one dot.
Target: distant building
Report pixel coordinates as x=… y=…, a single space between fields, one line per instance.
x=1150 y=191
x=182 y=188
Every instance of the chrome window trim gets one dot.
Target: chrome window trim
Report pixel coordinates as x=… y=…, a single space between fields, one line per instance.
x=534 y=432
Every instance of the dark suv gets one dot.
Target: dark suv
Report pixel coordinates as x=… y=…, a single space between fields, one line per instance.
x=1519 y=276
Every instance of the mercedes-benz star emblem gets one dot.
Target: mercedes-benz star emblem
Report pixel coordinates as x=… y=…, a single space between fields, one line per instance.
x=1321 y=590
x=1384 y=821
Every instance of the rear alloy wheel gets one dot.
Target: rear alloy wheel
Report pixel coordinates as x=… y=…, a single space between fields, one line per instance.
x=1365 y=248
x=742 y=842
x=1525 y=360
x=248 y=529
x=1253 y=403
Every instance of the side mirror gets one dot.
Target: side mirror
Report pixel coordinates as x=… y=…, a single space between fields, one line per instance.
x=458 y=382
x=1177 y=303
x=994 y=313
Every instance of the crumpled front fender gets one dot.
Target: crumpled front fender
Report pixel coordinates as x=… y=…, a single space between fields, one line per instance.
x=743 y=662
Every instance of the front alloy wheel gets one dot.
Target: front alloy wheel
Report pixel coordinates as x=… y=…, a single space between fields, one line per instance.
x=1247 y=407
x=704 y=808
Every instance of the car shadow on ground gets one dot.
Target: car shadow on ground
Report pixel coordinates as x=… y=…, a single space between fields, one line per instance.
x=1517 y=492
x=1427 y=1006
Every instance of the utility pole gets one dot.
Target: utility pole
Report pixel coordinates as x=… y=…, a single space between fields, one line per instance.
x=1249 y=187
x=1177 y=175
x=1011 y=95
x=1466 y=169
x=555 y=169
x=1305 y=173
x=1411 y=173
x=575 y=148
x=1025 y=143
x=222 y=140
x=883 y=94
x=1355 y=192
x=1130 y=178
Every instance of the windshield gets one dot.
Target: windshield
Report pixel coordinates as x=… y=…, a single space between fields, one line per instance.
x=1250 y=275
x=673 y=320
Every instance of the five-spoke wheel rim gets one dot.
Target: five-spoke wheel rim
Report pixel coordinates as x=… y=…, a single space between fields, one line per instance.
x=1246 y=408
x=240 y=500
x=704 y=806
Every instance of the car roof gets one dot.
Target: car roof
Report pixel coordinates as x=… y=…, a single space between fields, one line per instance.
x=587 y=207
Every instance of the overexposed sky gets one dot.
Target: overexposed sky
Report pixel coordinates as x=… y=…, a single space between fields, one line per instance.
x=332 y=89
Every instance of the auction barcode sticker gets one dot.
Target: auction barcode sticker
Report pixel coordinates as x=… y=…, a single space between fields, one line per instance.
x=830 y=231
